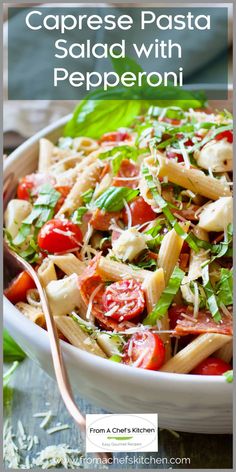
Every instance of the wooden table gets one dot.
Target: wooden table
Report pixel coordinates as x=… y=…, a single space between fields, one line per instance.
x=33 y=391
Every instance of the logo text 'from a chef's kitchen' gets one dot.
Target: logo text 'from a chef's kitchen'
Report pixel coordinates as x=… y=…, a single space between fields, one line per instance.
x=122 y=432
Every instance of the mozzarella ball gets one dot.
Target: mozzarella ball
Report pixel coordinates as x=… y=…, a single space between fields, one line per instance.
x=217 y=215
x=129 y=244
x=216 y=155
x=16 y=212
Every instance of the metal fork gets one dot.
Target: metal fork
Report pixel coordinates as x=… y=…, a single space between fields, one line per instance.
x=16 y=263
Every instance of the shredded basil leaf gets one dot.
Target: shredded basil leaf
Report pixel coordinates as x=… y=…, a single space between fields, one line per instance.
x=210 y=295
x=113 y=198
x=224 y=288
x=87 y=196
x=78 y=215
x=118 y=153
x=166 y=298
x=166 y=210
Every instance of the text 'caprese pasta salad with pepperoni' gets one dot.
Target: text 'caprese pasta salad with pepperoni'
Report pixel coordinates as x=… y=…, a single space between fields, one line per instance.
x=131 y=236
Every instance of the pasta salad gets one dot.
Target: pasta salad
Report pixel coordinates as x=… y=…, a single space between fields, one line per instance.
x=131 y=236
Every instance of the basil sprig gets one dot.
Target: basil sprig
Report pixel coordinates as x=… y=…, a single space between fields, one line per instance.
x=166 y=210
x=166 y=298
x=113 y=198
x=210 y=295
x=118 y=153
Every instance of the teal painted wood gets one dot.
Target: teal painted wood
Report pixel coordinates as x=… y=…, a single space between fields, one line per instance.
x=34 y=391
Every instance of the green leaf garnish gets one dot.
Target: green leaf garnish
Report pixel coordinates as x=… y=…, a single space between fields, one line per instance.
x=11 y=350
x=113 y=198
x=229 y=375
x=166 y=298
x=166 y=210
x=224 y=288
x=210 y=294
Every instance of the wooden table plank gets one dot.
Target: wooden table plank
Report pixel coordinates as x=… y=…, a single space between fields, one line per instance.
x=34 y=391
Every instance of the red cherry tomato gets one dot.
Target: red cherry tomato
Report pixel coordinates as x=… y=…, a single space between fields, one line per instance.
x=144 y=350
x=225 y=135
x=115 y=137
x=127 y=170
x=126 y=297
x=211 y=366
x=24 y=189
x=28 y=185
x=141 y=212
x=16 y=292
x=59 y=236
x=174 y=155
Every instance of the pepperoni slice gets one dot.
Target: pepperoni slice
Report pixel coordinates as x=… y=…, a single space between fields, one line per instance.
x=101 y=220
x=204 y=323
x=127 y=169
x=124 y=299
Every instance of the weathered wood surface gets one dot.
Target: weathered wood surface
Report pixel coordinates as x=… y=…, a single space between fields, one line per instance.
x=34 y=391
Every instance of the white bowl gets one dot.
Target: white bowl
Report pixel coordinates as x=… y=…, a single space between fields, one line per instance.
x=191 y=403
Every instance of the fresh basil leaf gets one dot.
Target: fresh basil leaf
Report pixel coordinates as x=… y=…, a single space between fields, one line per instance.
x=87 y=196
x=224 y=288
x=166 y=298
x=118 y=153
x=94 y=118
x=210 y=295
x=166 y=210
x=113 y=198
x=229 y=375
x=78 y=215
x=11 y=350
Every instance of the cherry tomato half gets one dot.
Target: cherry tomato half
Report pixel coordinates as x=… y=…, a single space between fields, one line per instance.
x=28 y=185
x=225 y=135
x=115 y=137
x=145 y=350
x=141 y=212
x=211 y=366
x=126 y=297
x=16 y=292
x=59 y=236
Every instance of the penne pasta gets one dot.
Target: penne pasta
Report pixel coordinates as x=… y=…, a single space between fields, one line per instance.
x=225 y=352
x=85 y=181
x=46 y=148
x=33 y=313
x=153 y=287
x=195 y=352
x=112 y=270
x=76 y=336
x=69 y=264
x=192 y=179
x=85 y=144
x=47 y=272
x=198 y=258
x=170 y=249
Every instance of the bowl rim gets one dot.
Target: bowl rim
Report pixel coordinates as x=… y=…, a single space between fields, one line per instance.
x=101 y=363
